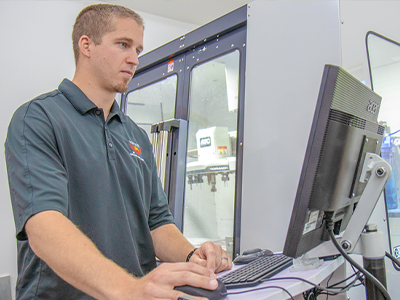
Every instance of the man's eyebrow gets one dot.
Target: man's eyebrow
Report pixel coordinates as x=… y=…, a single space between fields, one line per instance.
x=128 y=40
x=125 y=39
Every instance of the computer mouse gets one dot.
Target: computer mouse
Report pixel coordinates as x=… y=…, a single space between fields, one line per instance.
x=217 y=294
x=251 y=251
x=251 y=255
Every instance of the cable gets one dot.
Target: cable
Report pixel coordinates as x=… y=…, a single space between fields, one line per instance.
x=330 y=277
x=333 y=286
x=345 y=288
x=329 y=290
x=361 y=277
x=353 y=283
x=395 y=261
x=310 y=283
x=349 y=285
x=369 y=276
x=262 y=288
x=321 y=290
x=394 y=133
x=312 y=295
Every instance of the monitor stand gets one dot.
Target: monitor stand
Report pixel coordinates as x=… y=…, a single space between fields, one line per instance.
x=360 y=238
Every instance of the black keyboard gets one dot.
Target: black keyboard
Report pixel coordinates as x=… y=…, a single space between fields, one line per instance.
x=257 y=271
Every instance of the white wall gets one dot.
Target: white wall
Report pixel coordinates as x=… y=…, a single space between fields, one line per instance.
x=35 y=55
x=358 y=18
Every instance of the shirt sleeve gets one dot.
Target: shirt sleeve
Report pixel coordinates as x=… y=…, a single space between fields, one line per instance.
x=159 y=210
x=36 y=175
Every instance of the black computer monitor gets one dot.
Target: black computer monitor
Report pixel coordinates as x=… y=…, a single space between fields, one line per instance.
x=344 y=129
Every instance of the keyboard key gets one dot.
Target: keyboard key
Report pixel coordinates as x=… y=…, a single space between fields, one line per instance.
x=256 y=271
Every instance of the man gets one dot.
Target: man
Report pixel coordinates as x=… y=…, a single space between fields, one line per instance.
x=90 y=213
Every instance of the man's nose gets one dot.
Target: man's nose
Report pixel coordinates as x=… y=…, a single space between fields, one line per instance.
x=133 y=58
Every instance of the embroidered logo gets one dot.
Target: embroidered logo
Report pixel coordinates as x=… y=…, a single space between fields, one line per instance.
x=136 y=150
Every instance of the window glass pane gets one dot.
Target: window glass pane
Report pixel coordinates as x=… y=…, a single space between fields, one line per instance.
x=211 y=159
x=153 y=103
x=384 y=59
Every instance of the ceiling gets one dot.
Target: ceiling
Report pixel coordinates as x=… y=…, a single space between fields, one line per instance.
x=197 y=12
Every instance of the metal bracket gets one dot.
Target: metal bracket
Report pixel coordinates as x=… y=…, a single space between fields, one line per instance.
x=376 y=171
x=379 y=171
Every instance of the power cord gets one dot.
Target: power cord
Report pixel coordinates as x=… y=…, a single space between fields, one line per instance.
x=262 y=288
x=395 y=261
x=311 y=294
x=356 y=274
x=359 y=277
x=369 y=276
x=316 y=291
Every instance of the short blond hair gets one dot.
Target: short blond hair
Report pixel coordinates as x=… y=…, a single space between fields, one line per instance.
x=97 y=20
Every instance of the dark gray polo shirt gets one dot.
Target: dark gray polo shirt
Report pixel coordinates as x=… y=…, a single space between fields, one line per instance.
x=61 y=155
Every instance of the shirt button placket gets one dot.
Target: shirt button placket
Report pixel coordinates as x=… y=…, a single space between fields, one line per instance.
x=110 y=148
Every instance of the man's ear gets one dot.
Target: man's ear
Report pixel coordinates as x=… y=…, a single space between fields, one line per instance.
x=84 y=45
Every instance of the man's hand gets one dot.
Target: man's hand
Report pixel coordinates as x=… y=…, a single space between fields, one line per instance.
x=213 y=257
x=171 y=246
x=159 y=283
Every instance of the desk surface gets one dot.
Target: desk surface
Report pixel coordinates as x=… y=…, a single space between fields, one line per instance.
x=266 y=290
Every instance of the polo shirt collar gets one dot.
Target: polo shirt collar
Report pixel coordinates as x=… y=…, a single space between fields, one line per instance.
x=81 y=102
x=116 y=111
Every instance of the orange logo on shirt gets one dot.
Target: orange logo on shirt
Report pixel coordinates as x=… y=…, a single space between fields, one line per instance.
x=135 y=148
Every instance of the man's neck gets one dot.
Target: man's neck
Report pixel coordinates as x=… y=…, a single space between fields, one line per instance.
x=103 y=99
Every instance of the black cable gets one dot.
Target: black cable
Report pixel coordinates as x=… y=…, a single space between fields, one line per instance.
x=309 y=282
x=352 y=283
x=345 y=288
x=324 y=291
x=368 y=275
x=395 y=261
x=330 y=277
x=327 y=282
x=310 y=295
x=361 y=278
x=333 y=286
x=262 y=288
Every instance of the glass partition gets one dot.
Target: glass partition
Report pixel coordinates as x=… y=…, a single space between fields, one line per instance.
x=384 y=62
x=153 y=103
x=211 y=159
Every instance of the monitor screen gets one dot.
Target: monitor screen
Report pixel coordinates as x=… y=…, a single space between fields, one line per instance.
x=343 y=130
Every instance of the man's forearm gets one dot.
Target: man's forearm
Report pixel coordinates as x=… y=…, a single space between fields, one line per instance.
x=170 y=245
x=74 y=257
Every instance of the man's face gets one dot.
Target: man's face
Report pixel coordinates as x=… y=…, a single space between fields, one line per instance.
x=114 y=61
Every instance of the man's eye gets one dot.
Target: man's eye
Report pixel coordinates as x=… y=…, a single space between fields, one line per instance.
x=123 y=44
